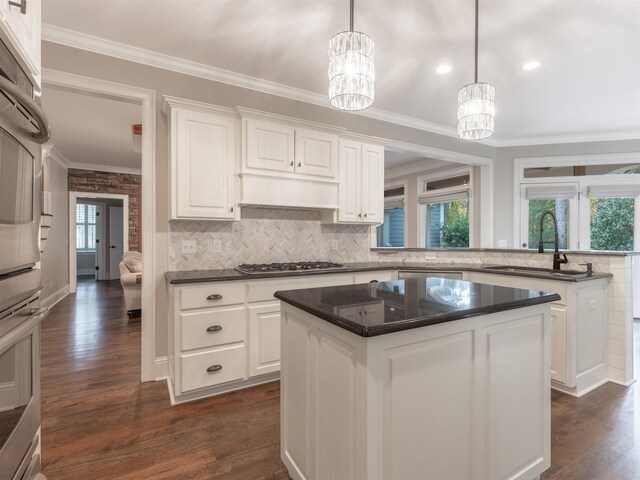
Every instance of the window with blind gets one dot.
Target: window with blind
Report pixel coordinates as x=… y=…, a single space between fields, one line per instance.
x=445 y=204
x=391 y=232
x=595 y=205
x=85 y=227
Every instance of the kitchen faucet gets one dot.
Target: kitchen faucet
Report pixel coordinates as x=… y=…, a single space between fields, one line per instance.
x=556 y=255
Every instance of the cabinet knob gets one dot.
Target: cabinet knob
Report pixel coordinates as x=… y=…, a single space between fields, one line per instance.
x=214 y=368
x=365 y=215
x=215 y=296
x=291 y=164
x=231 y=209
x=299 y=164
x=359 y=215
x=214 y=328
x=22 y=4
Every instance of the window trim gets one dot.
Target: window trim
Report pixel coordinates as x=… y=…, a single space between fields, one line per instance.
x=373 y=231
x=434 y=194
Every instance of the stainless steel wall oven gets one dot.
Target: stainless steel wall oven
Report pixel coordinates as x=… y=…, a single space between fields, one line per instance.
x=23 y=126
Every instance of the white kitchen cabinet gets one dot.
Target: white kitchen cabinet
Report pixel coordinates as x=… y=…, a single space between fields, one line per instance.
x=269 y=146
x=264 y=338
x=21 y=33
x=578 y=329
x=273 y=147
x=361 y=188
x=203 y=154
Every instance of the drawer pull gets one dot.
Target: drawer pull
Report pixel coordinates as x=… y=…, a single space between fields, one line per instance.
x=214 y=328
x=215 y=296
x=214 y=368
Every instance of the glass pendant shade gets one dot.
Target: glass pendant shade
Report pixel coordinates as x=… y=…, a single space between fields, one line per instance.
x=476 y=111
x=351 y=71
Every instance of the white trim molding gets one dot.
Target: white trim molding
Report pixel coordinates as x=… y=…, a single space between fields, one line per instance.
x=104 y=168
x=55 y=297
x=150 y=239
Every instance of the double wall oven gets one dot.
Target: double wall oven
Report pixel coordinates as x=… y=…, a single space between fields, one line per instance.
x=23 y=127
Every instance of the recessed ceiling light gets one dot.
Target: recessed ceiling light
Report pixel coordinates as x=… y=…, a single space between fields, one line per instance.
x=443 y=69
x=531 y=65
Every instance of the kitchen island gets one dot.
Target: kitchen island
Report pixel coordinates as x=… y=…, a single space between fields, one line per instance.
x=419 y=378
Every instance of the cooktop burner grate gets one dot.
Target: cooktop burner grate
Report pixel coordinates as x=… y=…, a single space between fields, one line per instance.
x=287 y=267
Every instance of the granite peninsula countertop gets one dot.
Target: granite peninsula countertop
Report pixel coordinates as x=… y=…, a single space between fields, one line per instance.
x=386 y=307
x=229 y=274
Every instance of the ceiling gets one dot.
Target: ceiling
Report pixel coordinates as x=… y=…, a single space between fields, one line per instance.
x=588 y=82
x=92 y=130
x=394 y=159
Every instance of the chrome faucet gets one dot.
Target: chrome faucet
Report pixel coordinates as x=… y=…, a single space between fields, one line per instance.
x=556 y=255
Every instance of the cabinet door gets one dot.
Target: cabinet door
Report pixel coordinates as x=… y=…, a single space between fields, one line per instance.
x=349 y=187
x=372 y=183
x=269 y=146
x=21 y=32
x=316 y=153
x=558 y=331
x=264 y=339
x=203 y=163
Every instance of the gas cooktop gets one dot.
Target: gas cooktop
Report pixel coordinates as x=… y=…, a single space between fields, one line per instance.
x=252 y=269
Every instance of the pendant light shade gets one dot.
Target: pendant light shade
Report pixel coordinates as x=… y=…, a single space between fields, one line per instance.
x=351 y=71
x=476 y=111
x=476 y=108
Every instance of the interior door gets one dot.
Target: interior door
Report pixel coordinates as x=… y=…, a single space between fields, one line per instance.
x=116 y=241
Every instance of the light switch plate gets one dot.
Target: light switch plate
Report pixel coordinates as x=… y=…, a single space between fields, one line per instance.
x=189 y=247
x=502 y=244
x=334 y=244
x=217 y=246
x=430 y=256
x=592 y=305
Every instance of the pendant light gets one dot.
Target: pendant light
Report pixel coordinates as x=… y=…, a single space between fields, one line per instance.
x=351 y=71
x=476 y=108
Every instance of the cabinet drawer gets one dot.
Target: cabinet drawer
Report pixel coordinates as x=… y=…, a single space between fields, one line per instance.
x=211 y=295
x=371 y=276
x=212 y=328
x=262 y=291
x=231 y=360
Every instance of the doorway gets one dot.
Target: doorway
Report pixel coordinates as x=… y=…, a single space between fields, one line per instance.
x=101 y=236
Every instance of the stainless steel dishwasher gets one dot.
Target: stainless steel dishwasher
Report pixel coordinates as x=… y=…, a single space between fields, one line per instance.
x=429 y=273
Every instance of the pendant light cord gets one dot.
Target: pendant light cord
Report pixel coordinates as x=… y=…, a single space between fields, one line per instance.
x=351 y=16
x=476 y=52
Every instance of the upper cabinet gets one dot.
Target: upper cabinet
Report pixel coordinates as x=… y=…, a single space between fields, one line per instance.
x=203 y=150
x=20 y=28
x=361 y=188
x=275 y=147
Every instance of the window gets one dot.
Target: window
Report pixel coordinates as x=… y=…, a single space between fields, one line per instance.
x=391 y=232
x=595 y=202
x=445 y=211
x=85 y=227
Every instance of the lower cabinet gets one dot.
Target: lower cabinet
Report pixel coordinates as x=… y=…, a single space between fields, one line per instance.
x=224 y=336
x=578 y=329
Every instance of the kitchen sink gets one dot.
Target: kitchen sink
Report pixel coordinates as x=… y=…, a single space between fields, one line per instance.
x=530 y=270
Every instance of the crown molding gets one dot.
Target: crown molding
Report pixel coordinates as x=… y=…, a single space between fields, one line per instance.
x=50 y=151
x=83 y=41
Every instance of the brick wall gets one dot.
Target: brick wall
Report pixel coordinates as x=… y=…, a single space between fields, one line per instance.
x=119 y=183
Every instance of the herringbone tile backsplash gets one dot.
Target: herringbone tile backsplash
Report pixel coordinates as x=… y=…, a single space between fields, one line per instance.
x=267 y=235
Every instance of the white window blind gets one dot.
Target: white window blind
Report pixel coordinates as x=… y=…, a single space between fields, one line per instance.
x=613 y=191
x=546 y=192
x=393 y=202
x=444 y=197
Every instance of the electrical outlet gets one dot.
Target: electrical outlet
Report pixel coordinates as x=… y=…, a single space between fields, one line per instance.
x=189 y=247
x=217 y=246
x=591 y=305
x=334 y=244
x=430 y=256
x=502 y=244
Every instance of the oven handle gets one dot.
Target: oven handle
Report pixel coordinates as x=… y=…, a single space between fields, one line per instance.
x=13 y=336
x=30 y=106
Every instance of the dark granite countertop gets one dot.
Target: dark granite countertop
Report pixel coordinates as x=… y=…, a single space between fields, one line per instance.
x=380 y=308
x=229 y=274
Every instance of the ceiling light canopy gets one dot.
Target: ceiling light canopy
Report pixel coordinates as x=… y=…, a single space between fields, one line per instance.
x=351 y=69
x=443 y=69
x=532 y=65
x=476 y=107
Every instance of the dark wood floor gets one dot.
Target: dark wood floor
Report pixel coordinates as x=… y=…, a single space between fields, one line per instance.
x=99 y=421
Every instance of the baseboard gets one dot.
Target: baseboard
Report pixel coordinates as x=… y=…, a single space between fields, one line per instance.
x=7 y=396
x=55 y=297
x=624 y=384
x=161 y=368
x=86 y=271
